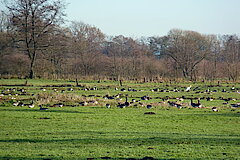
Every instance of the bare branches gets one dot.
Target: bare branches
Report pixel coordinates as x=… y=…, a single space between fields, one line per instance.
x=32 y=20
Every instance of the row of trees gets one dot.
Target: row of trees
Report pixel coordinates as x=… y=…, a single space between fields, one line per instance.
x=34 y=43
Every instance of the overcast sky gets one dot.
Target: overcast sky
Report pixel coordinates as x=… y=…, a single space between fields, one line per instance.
x=156 y=17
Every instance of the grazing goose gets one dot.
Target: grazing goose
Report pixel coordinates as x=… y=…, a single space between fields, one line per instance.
x=170 y=103
x=83 y=103
x=146 y=98
x=180 y=99
x=31 y=105
x=20 y=104
x=149 y=106
x=179 y=106
x=123 y=90
x=188 y=88
x=121 y=105
x=57 y=105
x=209 y=99
x=93 y=102
x=41 y=108
x=93 y=88
x=15 y=103
x=236 y=105
x=214 y=109
x=108 y=105
x=70 y=89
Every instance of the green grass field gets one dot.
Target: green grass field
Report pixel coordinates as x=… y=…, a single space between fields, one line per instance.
x=97 y=132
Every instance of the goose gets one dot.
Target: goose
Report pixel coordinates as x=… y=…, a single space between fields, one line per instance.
x=126 y=103
x=57 y=105
x=226 y=99
x=83 y=103
x=129 y=89
x=93 y=102
x=180 y=99
x=214 y=109
x=145 y=98
x=141 y=104
x=70 y=89
x=179 y=106
x=236 y=105
x=188 y=88
x=209 y=99
x=93 y=89
x=108 y=105
x=21 y=90
x=155 y=90
x=31 y=105
x=170 y=103
x=41 y=108
x=207 y=91
x=149 y=106
x=123 y=90
x=15 y=103
x=20 y=104
x=121 y=105
x=196 y=105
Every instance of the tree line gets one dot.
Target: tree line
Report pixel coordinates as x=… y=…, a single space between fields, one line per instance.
x=34 y=43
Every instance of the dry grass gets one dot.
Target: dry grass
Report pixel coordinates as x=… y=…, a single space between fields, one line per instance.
x=48 y=98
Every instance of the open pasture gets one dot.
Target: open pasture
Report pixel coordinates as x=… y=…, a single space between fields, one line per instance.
x=77 y=124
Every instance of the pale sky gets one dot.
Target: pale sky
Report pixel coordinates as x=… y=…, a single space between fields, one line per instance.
x=146 y=18
x=138 y=18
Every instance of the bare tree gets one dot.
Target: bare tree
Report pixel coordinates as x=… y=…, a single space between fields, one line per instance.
x=32 y=20
x=86 y=46
x=187 y=49
x=231 y=56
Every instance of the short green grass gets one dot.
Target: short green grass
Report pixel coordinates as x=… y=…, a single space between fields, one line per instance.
x=97 y=132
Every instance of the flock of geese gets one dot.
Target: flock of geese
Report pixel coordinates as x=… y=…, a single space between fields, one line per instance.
x=145 y=98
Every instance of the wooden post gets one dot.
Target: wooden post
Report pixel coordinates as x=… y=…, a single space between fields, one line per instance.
x=120 y=82
x=26 y=83
x=77 y=82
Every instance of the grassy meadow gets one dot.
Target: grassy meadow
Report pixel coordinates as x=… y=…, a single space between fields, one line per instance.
x=93 y=131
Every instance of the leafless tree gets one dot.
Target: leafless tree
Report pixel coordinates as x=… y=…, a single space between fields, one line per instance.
x=231 y=56
x=32 y=20
x=86 y=46
x=187 y=49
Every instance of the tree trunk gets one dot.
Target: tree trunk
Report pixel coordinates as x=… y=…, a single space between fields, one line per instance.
x=31 y=73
